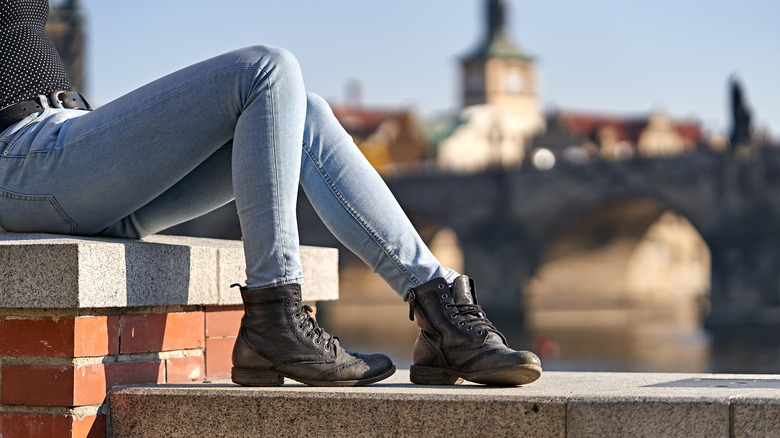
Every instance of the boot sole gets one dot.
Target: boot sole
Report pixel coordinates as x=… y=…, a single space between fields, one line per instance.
x=507 y=376
x=250 y=377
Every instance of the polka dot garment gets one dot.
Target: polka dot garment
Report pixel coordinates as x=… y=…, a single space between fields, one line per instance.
x=29 y=63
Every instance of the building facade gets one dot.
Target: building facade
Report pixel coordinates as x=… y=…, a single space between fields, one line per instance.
x=500 y=102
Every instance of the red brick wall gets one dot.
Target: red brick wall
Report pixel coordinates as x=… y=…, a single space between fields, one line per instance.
x=61 y=363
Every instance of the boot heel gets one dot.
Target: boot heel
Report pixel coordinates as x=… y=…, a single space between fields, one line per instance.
x=247 y=377
x=432 y=376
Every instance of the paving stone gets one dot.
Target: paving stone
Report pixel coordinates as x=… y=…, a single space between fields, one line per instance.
x=614 y=417
x=756 y=416
x=400 y=409
x=559 y=404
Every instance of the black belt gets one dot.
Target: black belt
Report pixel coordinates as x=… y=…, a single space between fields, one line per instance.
x=58 y=99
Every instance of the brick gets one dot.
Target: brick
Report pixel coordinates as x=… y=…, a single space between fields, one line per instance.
x=223 y=321
x=219 y=356
x=129 y=373
x=161 y=332
x=36 y=337
x=89 y=385
x=93 y=426
x=31 y=425
x=59 y=337
x=96 y=336
x=24 y=425
x=185 y=369
x=40 y=385
x=37 y=385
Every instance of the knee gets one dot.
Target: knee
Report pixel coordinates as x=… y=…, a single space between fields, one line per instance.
x=322 y=129
x=271 y=58
x=316 y=104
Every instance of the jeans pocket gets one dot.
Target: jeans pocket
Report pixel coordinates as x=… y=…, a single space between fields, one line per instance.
x=33 y=213
x=15 y=144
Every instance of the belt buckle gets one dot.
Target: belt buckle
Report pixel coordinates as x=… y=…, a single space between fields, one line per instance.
x=54 y=99
x=85 y=101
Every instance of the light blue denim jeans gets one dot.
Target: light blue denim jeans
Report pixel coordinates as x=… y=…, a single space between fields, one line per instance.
x=239 y=125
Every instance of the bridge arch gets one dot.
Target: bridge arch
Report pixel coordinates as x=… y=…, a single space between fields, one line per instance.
x=630 y=253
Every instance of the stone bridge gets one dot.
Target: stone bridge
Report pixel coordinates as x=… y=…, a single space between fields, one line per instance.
x=510 y=222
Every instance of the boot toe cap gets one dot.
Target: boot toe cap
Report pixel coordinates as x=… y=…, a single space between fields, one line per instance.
x=376 y=364
x=527 y=358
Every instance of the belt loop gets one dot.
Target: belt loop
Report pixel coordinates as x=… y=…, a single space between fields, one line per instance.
x=43 y=101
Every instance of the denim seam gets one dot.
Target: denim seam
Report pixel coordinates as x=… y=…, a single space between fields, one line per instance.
x=285 y=281
x=15 y=138
x=38 y=198
x=359 y=219
x=275 y=187
x=280 y=214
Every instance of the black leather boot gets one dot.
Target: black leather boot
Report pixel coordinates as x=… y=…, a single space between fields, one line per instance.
x=458 y=342
x=278 y=338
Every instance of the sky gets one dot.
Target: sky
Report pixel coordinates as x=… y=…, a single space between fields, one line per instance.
x=618 y=57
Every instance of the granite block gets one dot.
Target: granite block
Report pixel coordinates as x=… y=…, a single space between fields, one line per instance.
x=54 y=271
x=756 y=416
x=570 y=404
x=624 y=416
x=102 y=274
x=320 y=267
x=320 y=273
x=31 y=274
x=395 y=408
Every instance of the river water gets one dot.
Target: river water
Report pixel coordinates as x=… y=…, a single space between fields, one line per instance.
x=630 y=344
x=656 y=349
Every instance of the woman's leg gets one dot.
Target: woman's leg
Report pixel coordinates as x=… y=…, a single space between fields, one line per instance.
x=205 y=189
x=105 y=165
x=355 y=204
x=345 y=190
x=456 y=340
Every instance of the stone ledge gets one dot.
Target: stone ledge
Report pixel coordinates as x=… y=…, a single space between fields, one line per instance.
x=41 y=271
x=560 y=404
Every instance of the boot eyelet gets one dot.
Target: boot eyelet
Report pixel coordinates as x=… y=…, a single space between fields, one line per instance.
x=308 y=335
x=479 y=332
x=448 y=306
x=295 y=304
x=441 y=286
x=444 y=296
x=461 y=323
x=454 y=315
x=469 y=328
x=300 y=327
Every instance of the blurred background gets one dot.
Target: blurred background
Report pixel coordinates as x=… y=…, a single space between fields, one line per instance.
x=606 y=171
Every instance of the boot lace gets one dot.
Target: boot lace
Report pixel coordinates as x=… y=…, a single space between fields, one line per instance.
x=474 y=317
x=309 y=323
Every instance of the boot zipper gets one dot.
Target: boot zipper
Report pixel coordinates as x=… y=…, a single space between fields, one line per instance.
x=411 y=298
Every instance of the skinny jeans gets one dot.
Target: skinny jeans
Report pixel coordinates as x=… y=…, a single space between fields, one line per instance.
x=237 y=126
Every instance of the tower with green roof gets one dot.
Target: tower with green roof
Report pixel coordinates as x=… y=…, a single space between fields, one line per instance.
x=498 y=73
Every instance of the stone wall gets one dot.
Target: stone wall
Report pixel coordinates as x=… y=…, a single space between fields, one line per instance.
x=81 y=316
